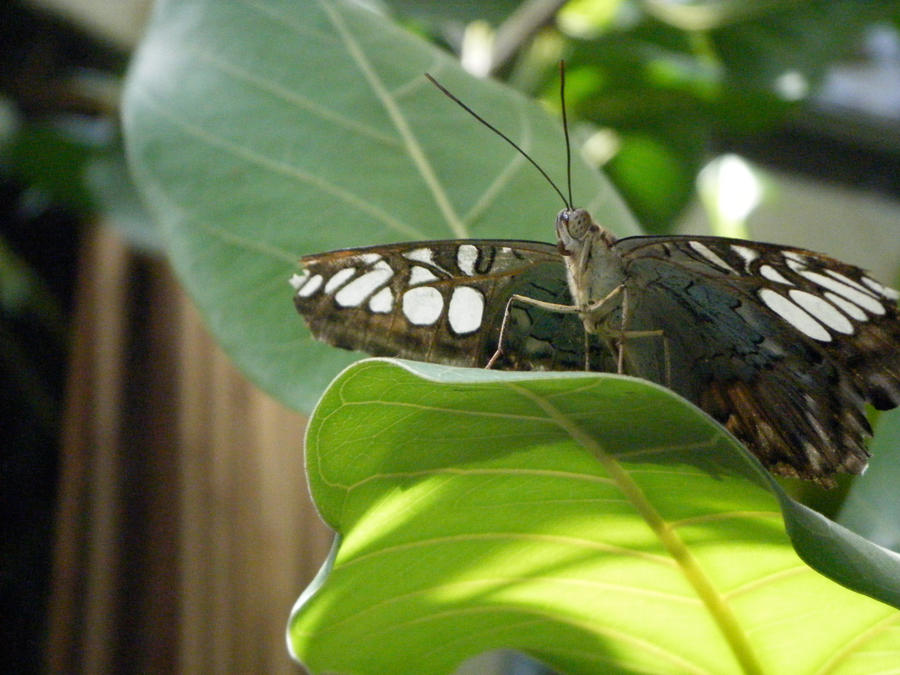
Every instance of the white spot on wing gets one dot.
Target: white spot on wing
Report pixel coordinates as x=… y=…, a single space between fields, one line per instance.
x=865 y=301
x=353 y=294
x=881 y=290
x=422 y=255
x=310 y=286
x=822 y=311
x=368 y=258
x=748 y=254
x=465 y=310
x=466 y=257
x=420 y=275
x=795 y=261
x=795 y=316
x=847 y=280
x=297 y=280
x=711 y=256
x=339 y=279
x=772 y=274
x=422 y=306
x=848 y=307
x=382 y=302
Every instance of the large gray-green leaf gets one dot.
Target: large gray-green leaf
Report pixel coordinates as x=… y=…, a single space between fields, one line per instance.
x=598 y=522
x=260 y=131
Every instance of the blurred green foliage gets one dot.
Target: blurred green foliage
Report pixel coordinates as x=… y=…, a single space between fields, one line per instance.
x=670 y=78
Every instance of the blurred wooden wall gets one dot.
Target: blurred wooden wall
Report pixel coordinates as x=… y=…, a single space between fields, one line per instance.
x=185 y=530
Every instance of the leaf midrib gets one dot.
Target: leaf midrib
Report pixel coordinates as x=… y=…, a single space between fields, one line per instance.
x=694 y=574
x=413 y=147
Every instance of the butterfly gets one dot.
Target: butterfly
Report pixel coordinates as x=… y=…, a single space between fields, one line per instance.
x=781 y=345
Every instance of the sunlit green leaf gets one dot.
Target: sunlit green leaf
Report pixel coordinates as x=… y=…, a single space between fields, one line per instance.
x=599 y=523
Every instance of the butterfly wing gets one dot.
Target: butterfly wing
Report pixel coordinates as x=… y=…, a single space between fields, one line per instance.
x=781 y=345
x=445 y=301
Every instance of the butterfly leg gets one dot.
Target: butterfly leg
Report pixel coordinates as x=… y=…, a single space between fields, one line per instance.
x=597 y=310
x=549 y=306
x=620 y=362
x=625 y=334
x=587 y=351
x=632 y=334
x=600 y=307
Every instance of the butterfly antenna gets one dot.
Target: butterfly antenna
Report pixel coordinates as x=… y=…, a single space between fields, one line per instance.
x=504 y=137
x=565 y=121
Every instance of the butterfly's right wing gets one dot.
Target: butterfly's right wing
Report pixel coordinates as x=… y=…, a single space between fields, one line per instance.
x=444 y=302
x=781 y=345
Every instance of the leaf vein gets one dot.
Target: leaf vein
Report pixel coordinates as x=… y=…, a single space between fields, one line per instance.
x=731 y=629
x=852 y=646
x=411 y=142
x=578 y=542
x=292 y=98
x=282 y=168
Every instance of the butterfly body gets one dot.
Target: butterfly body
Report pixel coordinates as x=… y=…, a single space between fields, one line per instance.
x=781 y=345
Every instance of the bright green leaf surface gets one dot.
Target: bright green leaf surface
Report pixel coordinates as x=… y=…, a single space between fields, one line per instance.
x=598 y=522
x=261 y=131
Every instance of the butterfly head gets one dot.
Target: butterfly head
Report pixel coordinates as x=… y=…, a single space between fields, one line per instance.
x=575 y=228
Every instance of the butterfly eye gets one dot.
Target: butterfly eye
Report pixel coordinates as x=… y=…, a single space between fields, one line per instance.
x=573 y=223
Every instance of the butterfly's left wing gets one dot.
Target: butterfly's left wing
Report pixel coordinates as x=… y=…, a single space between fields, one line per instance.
x=781 y=345
x=444 y=302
